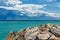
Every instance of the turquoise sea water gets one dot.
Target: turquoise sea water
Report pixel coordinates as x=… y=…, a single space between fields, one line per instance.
x=7 y=26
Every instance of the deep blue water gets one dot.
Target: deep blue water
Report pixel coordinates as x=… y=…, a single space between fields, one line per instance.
x=7 y=26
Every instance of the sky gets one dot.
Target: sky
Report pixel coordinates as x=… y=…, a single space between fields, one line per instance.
x=29 y=9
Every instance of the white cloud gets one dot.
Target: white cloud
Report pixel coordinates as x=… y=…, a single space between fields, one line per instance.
x=50 y=14
x=8 y=8
x=41 y=12
x=24 y=6
x=27 y=9
x=31 y=10
x=13 y=2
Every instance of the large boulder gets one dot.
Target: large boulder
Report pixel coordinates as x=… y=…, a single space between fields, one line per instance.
x=11 y=36
x=53 y=37
x=22 y=32
x=31 y=34
x=18 y=37
x=43 y=36
x=58 y=27
x=56 y=32
x=48 y=25
x=42 y=29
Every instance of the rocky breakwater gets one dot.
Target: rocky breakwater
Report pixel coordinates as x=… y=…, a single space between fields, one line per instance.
x=41 y=32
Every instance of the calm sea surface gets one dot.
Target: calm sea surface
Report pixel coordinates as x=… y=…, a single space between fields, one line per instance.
x=7 y=26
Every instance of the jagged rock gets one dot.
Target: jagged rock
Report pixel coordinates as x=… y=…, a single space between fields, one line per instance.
x=22 y=32
x=31 y=34
x=47 y=32
x=43 y=32
x=18 y=37
x=54 y=27
x=11 y=36
x=43 y=36
x=28 y=29
x=58 y=27
x=58 y=38
x=42 y=28
x=56 y=32
x=48 y=25
x=53 y=37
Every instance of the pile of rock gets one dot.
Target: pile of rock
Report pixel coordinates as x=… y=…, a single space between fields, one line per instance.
x=43 y=32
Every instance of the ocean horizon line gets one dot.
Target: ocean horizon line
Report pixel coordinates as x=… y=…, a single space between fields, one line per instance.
x=29 y=20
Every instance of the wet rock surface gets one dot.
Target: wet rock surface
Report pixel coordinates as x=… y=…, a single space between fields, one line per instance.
x=41 y=32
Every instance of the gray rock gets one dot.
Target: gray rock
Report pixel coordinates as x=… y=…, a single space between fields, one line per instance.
x=56 y=32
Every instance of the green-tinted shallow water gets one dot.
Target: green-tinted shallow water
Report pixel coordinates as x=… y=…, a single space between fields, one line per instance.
x=7 y=26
